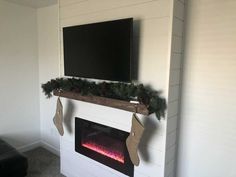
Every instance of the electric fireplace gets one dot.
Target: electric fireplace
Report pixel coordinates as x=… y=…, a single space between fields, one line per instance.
x=103 y=144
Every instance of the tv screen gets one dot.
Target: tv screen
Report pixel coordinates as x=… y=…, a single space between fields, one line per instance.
x=99 y=50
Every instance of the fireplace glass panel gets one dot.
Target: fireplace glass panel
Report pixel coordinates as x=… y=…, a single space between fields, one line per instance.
x=98 y=141
x=103 y=144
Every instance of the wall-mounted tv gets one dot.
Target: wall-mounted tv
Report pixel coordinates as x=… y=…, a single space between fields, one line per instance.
x=100 y=50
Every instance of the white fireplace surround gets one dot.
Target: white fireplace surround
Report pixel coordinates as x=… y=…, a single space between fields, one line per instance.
x=157 y=39
x=73 y=164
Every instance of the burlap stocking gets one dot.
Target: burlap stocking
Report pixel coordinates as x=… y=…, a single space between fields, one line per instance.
x=133 y=139
x=58 y=118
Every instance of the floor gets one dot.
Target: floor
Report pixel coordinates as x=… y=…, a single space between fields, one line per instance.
x=43 y=163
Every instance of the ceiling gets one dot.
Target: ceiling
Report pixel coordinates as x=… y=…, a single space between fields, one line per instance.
x=34 y=3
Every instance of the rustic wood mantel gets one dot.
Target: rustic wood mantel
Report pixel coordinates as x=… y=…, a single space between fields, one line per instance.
x=114 y=103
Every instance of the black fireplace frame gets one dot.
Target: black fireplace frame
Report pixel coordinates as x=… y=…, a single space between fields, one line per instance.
x=127 y=168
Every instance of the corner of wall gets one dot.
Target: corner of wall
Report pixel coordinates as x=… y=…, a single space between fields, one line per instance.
x=174 y=85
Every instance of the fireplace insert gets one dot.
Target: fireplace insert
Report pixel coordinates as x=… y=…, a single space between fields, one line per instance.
x=103 y=144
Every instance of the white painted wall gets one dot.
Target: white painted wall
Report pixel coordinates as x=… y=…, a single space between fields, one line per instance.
x=207 y=145
x=48 y=54
x=29 y=57
x=174 y=86
x=19 y=98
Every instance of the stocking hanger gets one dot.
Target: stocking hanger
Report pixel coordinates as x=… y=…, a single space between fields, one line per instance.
x=135 y=105
x=135 y=108
x=59 y=90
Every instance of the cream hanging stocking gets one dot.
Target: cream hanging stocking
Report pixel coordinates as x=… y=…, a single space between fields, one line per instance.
x=134 y=138
x=58 y=118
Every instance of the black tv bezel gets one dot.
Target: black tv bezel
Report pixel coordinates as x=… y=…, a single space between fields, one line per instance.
x=132 y=68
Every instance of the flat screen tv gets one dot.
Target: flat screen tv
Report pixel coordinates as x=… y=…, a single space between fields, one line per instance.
x=100 y=50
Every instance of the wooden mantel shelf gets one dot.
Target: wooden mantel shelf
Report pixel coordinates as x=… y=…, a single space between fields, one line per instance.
x=119 y=104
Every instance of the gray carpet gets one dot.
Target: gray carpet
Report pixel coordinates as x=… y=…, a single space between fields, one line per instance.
x=43 y=163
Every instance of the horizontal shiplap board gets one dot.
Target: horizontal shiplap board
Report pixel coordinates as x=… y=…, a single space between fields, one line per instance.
x=81 y=7
x=177 y=44
x=210 y=6
x=170 y=168
x=173 y=108
x=176 y=61
x=154 y=141
x=151 y=155
x=172 y=124
x=172 y=174
x=170 y=154
x=179 y=10
x=171 y=139
x=153 y=54
x=154 y=9
x=175 y=77
x=138 y=174
x=149 y=169
x=153 y=27
x=177 y=27
x=173 y=93
x=97 y=113
x=103 y=5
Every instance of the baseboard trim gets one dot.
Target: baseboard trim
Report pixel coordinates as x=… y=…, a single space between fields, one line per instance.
x=29 y=147
x=50 y=148
x=37 y=144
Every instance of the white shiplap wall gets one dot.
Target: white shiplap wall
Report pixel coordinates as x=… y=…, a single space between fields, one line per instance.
x=154 y=40
x=207 y=146
x=151 y=30
x=174 y=86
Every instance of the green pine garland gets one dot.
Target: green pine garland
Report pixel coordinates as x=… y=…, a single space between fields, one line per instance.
x=122 y=91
